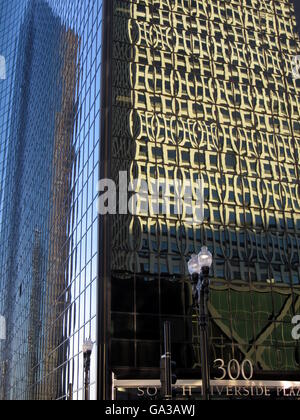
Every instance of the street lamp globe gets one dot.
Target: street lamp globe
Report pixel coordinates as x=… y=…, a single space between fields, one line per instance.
x=205 y=258
x=193 y=265
x=87 y=346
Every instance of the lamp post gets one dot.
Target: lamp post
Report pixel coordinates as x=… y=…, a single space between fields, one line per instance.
x=3 y=373
x=166 y=365
x=4 y=363
x=87 y=349
x=199 y=266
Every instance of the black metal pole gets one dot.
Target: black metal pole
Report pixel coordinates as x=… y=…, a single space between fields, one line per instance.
x=3 y=375
x=166 y=364
x=203 y=295
x=87 y=368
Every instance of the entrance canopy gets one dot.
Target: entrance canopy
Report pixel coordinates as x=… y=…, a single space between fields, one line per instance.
x=219 y=389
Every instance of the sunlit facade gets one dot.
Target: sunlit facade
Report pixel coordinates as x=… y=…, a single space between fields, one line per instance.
x=206 y=87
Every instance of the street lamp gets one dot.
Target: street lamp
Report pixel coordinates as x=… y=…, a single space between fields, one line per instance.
x=87 y=349
x=199 y=266
x=3 y=365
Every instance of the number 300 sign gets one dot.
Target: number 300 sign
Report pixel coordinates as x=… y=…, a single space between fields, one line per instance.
x=234 y=370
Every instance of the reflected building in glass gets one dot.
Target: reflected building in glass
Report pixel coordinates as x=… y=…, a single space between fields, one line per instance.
x=50 y=123
x=188 y=89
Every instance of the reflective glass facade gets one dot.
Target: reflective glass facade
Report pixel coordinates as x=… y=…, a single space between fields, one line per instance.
x=206 y=87
x=50 y=123
x=187 y=88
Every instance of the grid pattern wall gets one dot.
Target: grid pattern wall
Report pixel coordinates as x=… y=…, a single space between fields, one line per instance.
x=50 y=122
x=206 y=88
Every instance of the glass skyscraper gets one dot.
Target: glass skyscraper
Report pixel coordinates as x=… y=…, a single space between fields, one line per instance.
x=187 y=89
x=50 y=113
x=207 y=87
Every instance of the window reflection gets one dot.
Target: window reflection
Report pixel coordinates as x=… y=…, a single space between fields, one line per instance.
x=207 y=91
x=50 y=115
